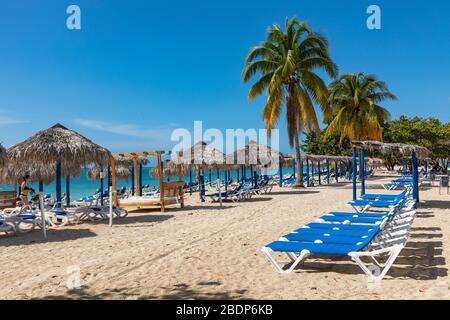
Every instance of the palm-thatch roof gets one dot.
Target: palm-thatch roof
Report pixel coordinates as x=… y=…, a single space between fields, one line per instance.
x=312 y=157
x=376 y=162
x=39 y=172
x=128 y=161
x=59 y=144
x=170 y=169
x=255 y=154
x=404 y=150
x=201 y=154
x=3 y=156
x=122 y=173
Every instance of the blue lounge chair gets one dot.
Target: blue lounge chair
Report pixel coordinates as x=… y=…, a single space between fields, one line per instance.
x=358 y=220
x=385 y=197
x=361 y=205
x=356 y=248
x=395 y=186
x=234 y=195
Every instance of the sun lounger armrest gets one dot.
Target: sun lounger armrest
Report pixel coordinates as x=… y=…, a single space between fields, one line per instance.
x=376 y=252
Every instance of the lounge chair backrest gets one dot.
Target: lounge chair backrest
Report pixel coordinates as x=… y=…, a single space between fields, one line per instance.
x=173 y=189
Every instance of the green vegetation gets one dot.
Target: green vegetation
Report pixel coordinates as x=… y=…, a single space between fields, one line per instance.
x=355 y=100
x=426 y=132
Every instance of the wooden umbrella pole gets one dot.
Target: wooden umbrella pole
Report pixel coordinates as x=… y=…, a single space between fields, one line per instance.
x=136 y=176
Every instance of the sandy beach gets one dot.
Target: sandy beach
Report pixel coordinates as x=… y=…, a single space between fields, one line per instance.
x=208 y=252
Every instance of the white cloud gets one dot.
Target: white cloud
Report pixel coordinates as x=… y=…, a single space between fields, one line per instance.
x=131 y=130
x=7 y=120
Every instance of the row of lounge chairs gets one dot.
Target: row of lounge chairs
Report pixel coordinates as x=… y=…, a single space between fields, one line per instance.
x=376 y=236
x=242 y=191
x=313 y=180
x=400 y=183
x=17 y=221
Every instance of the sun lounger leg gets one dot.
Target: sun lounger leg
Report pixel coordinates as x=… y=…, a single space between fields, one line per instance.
x=393 y=254
x=302 y=256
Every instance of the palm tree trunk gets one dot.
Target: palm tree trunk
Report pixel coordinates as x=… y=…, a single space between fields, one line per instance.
x=298 y=159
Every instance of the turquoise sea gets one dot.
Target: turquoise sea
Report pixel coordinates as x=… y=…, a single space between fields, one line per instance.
x=82 y=186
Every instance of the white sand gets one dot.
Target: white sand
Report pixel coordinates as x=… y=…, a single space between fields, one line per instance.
x=205 y=252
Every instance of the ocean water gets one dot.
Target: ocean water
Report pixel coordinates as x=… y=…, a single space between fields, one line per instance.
x=82 y=186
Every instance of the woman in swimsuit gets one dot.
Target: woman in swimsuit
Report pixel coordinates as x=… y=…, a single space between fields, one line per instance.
x=24 y=190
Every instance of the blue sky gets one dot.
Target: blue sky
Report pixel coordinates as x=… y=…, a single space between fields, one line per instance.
x=138 y=69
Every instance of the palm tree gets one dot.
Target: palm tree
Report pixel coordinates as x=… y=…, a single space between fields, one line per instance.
x=286 y=63
x=355 y=100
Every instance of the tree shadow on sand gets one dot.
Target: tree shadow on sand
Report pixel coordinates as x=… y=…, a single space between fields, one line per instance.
x=180 y=291
x=295 y=192
x=53 y=235
x=142 y=218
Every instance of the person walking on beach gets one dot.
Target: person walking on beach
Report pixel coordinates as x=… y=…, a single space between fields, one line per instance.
x=24 y=190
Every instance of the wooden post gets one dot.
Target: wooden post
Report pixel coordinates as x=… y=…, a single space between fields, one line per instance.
x=136 y=176
x=180 y=179
x=114 y=181
x=161 y=182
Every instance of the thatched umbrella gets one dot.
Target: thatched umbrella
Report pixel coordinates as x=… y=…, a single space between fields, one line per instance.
x=255 y=154
x=404 y=150
x=39 y=173
x=128 y=162
x=122 y=173
x=3 y=156
x=201 y=156
x=59 y=148
x=170 y=169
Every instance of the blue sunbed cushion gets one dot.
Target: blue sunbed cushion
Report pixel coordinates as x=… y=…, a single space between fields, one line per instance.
x=388 y=197
x=352 y=220
x=27 y=216
x=327 y=238
x=347 y=233
x=359 y=215
x=59 y=212
x=315 y=248
x=338 y=226
x=377 y=204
